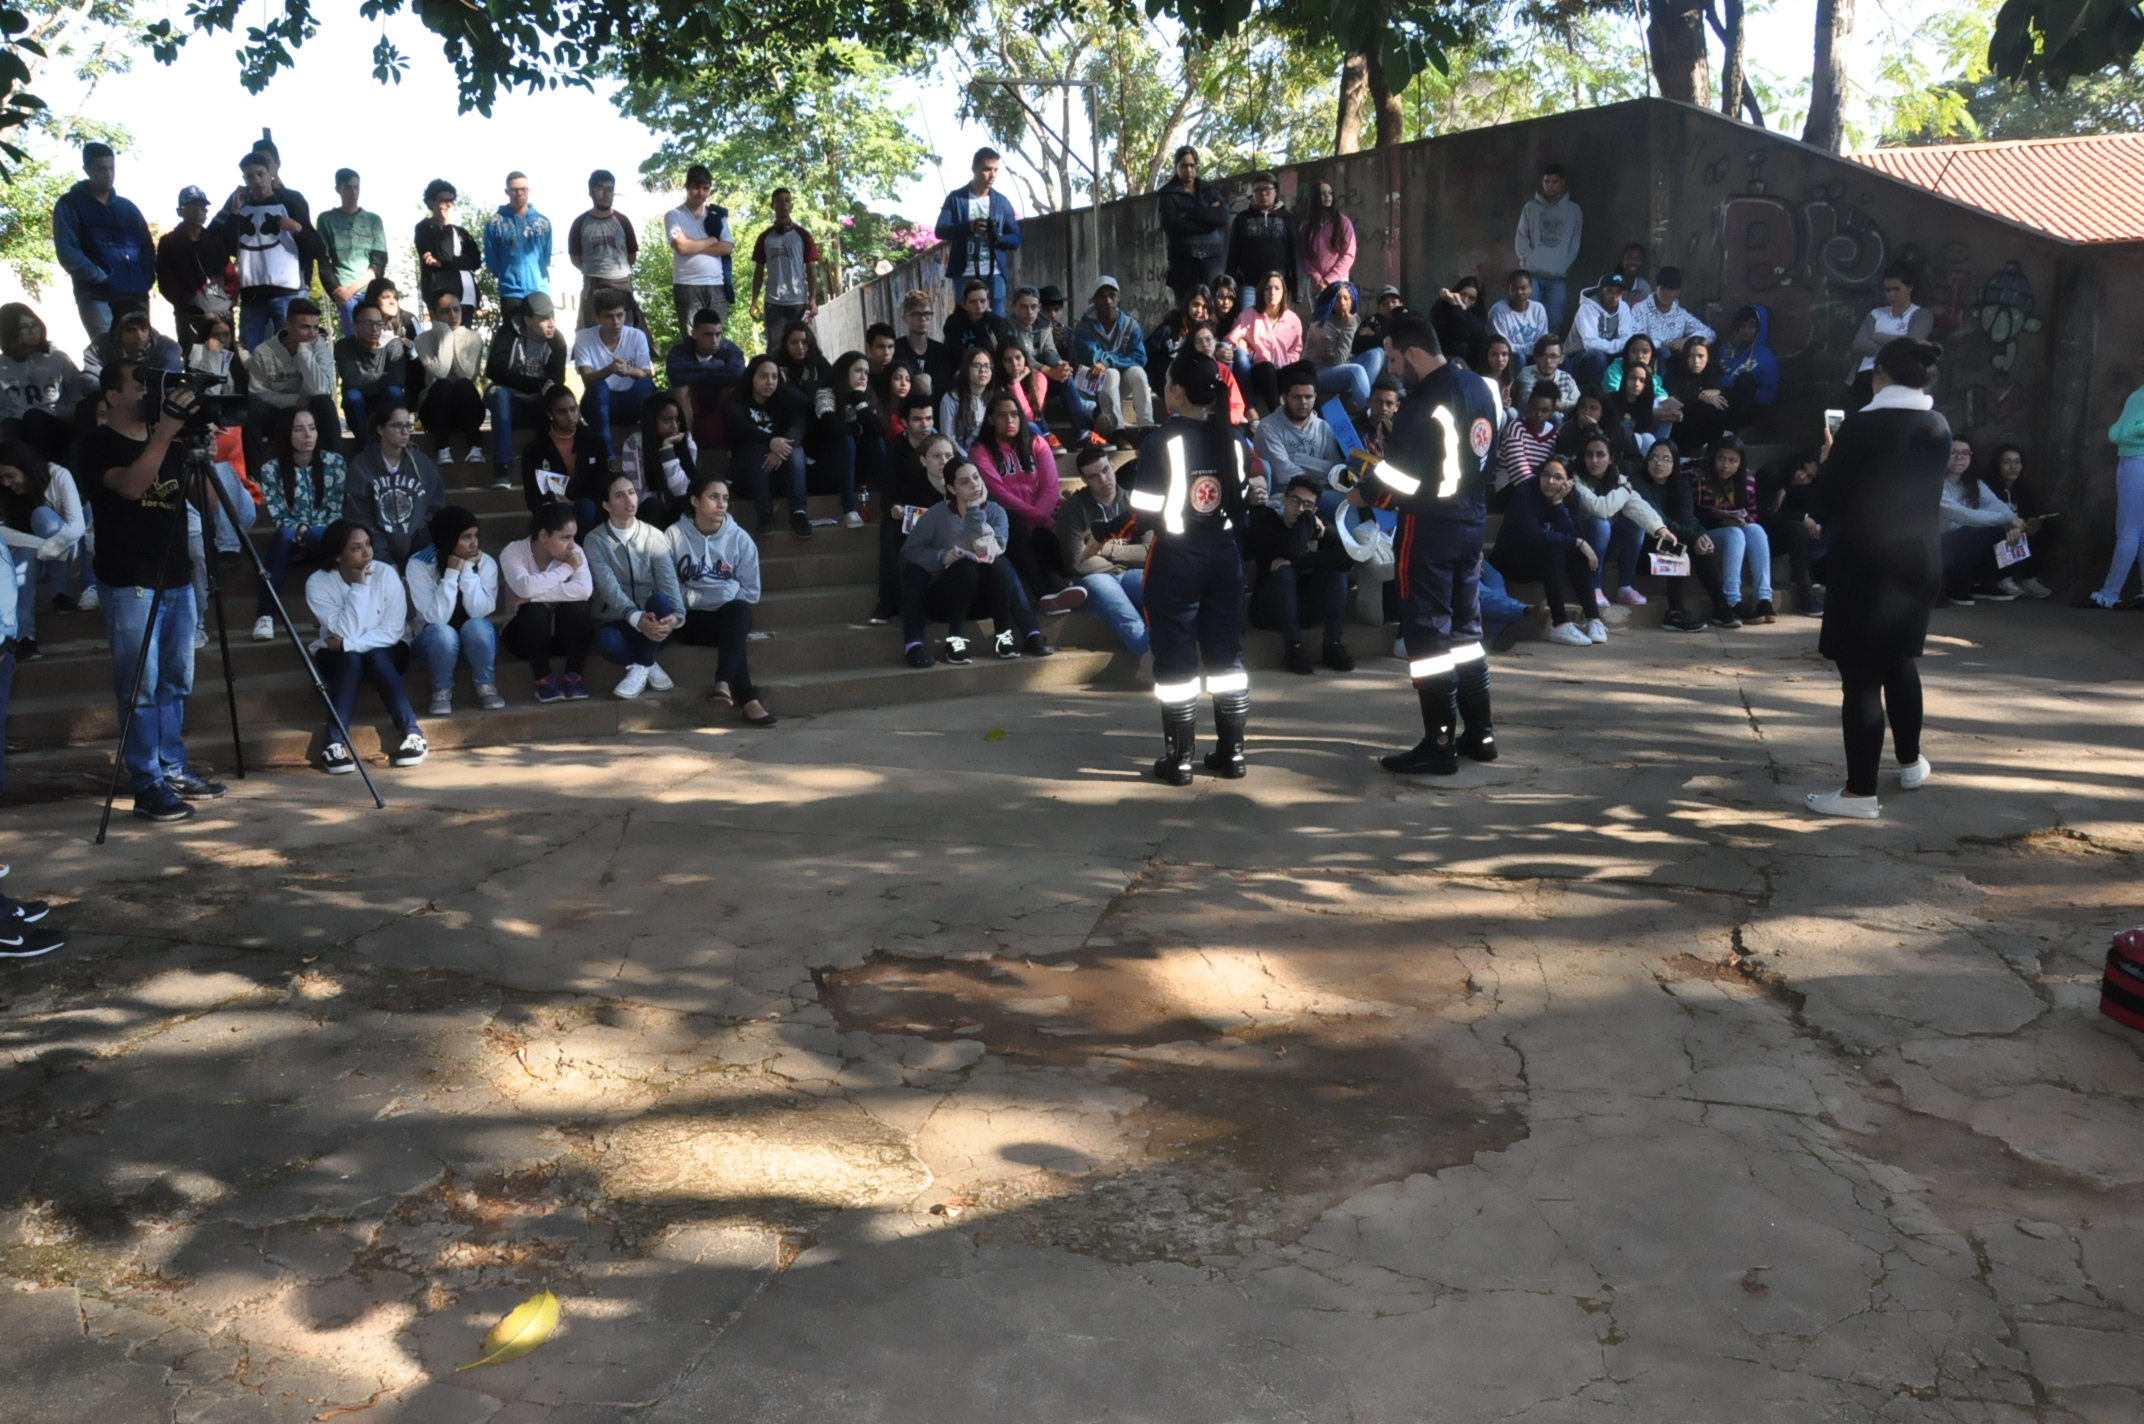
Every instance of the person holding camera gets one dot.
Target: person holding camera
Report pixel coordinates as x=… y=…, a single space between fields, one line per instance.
x=134 y=466
x=363 y=612
x=980 y=224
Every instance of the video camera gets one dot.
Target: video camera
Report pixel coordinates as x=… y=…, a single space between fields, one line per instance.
x=208 y=410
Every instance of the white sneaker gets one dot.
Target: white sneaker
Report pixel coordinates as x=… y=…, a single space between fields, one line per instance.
x=658 y=679
x=852 y=520
x=1838 y=803
x=488 y=698
x=1399 y=649
x=1915 y=775
x=336 y=760
x=2009 y=586
x=89 y=602
x=1597 y=631
x=200 y=639
x=264 y=630
x=413 y=750
x=1570 y=635
x=443 y=702
x=2033 y=588
x=632 y=684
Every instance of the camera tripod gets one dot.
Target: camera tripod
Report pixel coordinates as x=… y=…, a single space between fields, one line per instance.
x=199 y=489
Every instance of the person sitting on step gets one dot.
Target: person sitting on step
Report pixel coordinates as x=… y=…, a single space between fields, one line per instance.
x=954 y=570
x=363 y=615
x=548 y=591
x=637 y=599
x=566 y=460
x=453 y=588
x=717 y=567
x=1300 y=567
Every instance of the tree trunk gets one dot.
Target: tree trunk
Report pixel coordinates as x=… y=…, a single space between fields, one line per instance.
x=1733 y=81
x=1675 y=33
x=1390 y=119
x=1827 y=82
x=1354 y=93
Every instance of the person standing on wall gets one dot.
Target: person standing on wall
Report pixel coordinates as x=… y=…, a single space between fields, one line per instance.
x=271 y=230
x=1262 y=240
x=980 y=224
x=700 y=248
x=1435 y=473
x=1551 y=226
x=785 y=271
x=102 y=241
x=353 y=249
x=601 y=243
x=517 y=246
x=1194 y=221
x=448 y=255
x=1881 y=490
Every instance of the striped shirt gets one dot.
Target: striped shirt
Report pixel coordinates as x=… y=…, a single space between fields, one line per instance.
x=1519 y=452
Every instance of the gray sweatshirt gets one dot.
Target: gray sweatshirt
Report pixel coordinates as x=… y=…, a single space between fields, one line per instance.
x=630 y=567
x=396 y=505
x=1549 y=235
x=941 y=529
x=716 y=568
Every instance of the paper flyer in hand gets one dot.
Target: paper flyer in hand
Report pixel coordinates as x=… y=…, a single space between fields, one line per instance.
x=1670 y=565
x=2012 y=551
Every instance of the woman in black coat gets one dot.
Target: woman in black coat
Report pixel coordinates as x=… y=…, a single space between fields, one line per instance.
x=1880 y=487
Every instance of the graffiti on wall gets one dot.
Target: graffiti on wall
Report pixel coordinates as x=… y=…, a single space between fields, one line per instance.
x=1817 y=263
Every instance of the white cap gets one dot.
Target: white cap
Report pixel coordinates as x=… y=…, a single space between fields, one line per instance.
x=1109 y=282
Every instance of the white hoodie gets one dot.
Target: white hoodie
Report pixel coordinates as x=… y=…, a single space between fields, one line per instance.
x=432 y=599
x=371 y=614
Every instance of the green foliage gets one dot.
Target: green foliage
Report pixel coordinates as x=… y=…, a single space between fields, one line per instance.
x=651 y=284
x=2055 y=41
x=826 y=126
x=26 y=220
x=1954 y=95
x=1534 y=64
x=536 y=45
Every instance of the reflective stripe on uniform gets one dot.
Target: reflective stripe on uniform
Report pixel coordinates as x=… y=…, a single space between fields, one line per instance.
x=1432 y=667
x=1448 y=487
x=1468 y=652
x=1149 y=503
x=1229 y=682
x=1172 y=518
x=1402 y=484
x=1173 y=693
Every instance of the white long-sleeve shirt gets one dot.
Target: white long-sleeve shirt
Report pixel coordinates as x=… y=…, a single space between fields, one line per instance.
x=63 y=499
x=474 y=588
x=372 y=613
x=561 y=582
x=1669 y=327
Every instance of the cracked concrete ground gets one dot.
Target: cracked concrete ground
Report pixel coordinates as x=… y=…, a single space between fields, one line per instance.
x=889 y=1069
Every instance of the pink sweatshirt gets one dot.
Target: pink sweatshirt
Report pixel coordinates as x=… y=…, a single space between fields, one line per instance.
x=1325 y=261
x=1268 y=340
x=1033 y=495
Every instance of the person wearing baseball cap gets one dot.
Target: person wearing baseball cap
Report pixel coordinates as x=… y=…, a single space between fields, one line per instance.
x=1603 y=326
x=1113 y=349
x=193 y=270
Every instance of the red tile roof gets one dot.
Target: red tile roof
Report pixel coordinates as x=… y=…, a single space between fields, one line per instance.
x=2084 y=189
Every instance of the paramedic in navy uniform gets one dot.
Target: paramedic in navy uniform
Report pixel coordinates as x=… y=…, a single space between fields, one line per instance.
x=1434 y=473
x=1190 y=487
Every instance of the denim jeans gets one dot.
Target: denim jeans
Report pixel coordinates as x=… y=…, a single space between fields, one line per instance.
x=1737 y=542
x=476 y=643
x=97 y=316
x=1549 y=292
x=1614 y=541
x=749 y=474
x=1348 y=381
x=1079 y=406
x=32 y=571
x=155 y=746
x=2128 y=526
x=507 y=406
x=836 y=461
x=382 y=667
x=620 y=642
x=262 y=317
x=1120 y=601
x=1588 y=367
x=289 y=542
x=7 y=687
x=609 y=405
x=357 y=409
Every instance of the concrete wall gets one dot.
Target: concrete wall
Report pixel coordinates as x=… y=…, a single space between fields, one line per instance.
x=2041 y=333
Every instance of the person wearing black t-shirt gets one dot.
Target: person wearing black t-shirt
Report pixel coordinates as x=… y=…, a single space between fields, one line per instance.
x=764 y=422
x=929 y=361
x=133 y=475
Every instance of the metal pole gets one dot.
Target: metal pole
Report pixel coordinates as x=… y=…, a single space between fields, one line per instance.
x=1094 y=166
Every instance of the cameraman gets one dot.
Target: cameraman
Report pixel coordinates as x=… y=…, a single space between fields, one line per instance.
x=134 y=473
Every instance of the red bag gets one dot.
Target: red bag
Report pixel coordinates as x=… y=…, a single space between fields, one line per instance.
x=2121 y=991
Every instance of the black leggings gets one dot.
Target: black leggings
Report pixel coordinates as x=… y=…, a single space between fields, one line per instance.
x=728 y=630
x=1869 y=690
x=1791 y=537
x=1705 y=568
x=1564 y=575
x=538 y=630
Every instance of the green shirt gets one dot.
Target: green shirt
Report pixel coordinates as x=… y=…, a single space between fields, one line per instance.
x=352 y=240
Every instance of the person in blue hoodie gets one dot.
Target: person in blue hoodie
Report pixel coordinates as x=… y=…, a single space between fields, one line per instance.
x=980 y=224
x=517 y=245
x=103 y=242
x=1749 y=372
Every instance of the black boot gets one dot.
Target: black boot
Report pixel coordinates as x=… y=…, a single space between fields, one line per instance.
x=1180 y=733
x=1436 y=754
x=1231 y=710
x=1479 y=739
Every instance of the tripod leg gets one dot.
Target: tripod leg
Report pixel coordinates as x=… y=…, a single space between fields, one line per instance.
x=275 y=596
x=223 y=648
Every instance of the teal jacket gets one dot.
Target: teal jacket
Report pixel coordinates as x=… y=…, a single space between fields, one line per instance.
x=2127 y=432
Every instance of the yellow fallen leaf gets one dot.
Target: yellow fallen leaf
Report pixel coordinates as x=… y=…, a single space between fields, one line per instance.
x=525 y=1327
x=996 y=734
